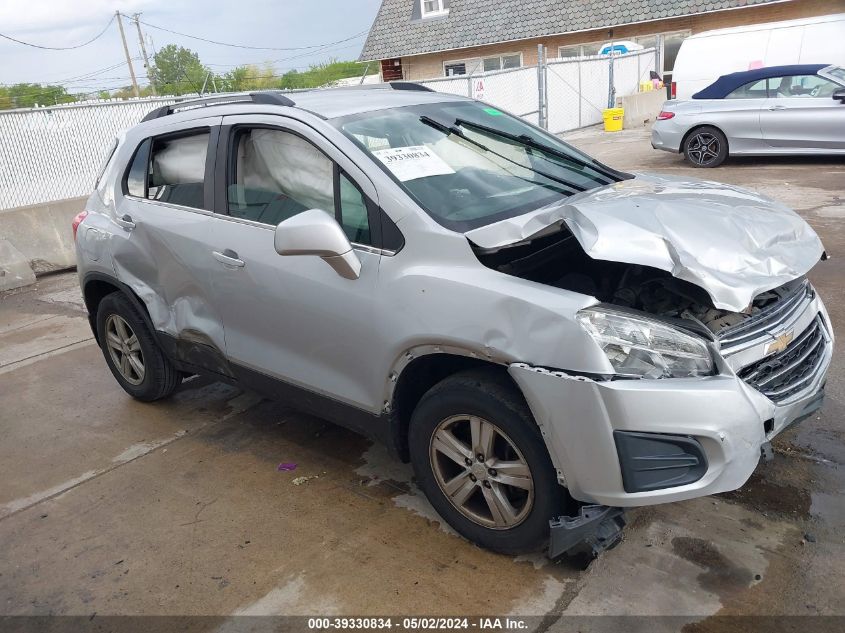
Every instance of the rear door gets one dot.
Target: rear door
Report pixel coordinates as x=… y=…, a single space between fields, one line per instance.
x=161 y=248
x=293 y=319
x=801 y=114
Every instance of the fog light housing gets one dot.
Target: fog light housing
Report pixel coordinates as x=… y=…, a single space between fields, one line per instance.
x=652 y=461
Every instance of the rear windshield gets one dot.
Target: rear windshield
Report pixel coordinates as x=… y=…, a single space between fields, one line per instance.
x=468 y=164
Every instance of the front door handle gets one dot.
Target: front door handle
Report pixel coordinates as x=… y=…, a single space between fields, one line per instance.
x=777 y=107
x=228 y=257
x=126 y=222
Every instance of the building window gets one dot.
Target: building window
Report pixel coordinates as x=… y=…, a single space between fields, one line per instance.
x=503 y=62
x=580 y=50
x=647 y=41
x=487 y=64
x=432 y=8
x=565 y=52
x=454 y=69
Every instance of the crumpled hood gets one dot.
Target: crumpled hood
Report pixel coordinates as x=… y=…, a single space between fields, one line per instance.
x=731 y=242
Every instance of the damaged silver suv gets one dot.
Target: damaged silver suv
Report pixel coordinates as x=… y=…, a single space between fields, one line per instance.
x=548 y=340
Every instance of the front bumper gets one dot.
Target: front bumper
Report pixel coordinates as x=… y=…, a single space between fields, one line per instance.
x=728 y=418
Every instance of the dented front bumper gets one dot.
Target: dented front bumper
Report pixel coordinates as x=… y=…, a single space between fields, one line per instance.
x=729 y=420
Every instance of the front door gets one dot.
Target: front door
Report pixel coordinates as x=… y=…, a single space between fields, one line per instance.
x=293 y=318
x=800 y=114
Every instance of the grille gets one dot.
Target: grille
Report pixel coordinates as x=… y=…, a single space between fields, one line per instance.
x=785 y=310
x=787 y=373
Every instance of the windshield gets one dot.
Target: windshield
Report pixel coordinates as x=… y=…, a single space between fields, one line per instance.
x=468 y=164
x=837 y=73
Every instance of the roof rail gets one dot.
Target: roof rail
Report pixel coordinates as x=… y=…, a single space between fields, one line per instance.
x=267 y=97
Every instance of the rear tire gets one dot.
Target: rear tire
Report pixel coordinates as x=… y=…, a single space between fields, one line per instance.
x=499 y=493
x=131 y=351
x=706 y=147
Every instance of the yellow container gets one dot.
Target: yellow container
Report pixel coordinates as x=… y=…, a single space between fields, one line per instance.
x=613 y=119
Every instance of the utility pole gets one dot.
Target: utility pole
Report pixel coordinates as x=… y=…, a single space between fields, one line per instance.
x=126 y=52
x=144 y=52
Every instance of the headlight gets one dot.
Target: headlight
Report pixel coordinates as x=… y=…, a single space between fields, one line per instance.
x=637 y=346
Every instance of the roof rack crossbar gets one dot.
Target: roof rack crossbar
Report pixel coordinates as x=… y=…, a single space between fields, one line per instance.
x=268 y=97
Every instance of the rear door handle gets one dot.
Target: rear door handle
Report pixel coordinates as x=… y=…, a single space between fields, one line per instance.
x=777 y=107
x=126 y=222
x=228 y=257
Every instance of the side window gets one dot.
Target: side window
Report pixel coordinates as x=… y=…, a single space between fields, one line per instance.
x=275 y=174
x=136 y=178
x=353 y=212
x=811 y=86
x=752 y=90
x=177 y=170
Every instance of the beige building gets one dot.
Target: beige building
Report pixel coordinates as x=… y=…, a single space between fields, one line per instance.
x=425 y=39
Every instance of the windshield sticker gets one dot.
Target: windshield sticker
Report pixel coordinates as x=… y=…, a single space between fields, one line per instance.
x=410 y=163
x=493 y=111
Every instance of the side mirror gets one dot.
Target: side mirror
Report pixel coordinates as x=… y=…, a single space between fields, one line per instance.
x=839 y=95
x=315 y=232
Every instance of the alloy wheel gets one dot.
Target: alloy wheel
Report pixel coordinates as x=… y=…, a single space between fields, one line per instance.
x=704 y=148
x=481 y=472
x=124 y=349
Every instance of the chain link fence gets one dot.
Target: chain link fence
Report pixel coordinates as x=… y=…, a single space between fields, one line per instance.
x=571 y=94
x=53 y=153
x=49 y=154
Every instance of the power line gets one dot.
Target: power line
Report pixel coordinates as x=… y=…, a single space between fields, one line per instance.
x=325 y=49
x=308 y=50
x=255 y=48
x=61 y=48
x=88 y=75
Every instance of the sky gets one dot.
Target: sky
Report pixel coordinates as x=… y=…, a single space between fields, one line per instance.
x=261 y=23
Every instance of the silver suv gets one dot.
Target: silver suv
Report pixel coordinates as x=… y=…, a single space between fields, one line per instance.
x=548 y=340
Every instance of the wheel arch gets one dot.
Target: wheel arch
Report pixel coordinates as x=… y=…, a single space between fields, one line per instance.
x=698 y=126
x=418 y=370
x=97 y=286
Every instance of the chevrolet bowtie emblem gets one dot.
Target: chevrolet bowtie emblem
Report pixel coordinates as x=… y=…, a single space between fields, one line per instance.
x=780 y=342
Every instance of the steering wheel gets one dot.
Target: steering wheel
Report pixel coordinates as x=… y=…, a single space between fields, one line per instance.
x=815 y=91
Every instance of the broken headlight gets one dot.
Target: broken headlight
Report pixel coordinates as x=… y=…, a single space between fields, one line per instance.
x=637 y=346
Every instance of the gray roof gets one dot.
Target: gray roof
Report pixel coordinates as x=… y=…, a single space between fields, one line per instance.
x=398 y=31
x=328 y=103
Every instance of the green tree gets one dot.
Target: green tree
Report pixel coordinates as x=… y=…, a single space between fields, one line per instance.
x=250 y=77
x=324 y=74
x=27 y=95
x=177 y=70
x=127 y=92
x=264 y=77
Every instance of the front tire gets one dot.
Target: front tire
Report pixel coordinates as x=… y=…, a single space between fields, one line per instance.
x=131 y=351
x=480 y=459
x=706 y=147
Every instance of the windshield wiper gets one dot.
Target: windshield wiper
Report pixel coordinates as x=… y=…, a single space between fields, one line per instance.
x=524 y=139
x=449 y=130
